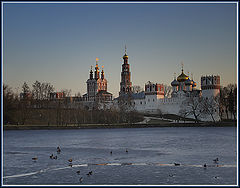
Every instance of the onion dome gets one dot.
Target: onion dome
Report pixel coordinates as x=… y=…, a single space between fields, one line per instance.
x=182 y=77
x=125 y=56
x=194 y=84
x=175 y=83
x=188 y=82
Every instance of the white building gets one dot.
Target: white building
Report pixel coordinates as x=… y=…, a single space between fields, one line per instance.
x=183 y=97
x=184 y=92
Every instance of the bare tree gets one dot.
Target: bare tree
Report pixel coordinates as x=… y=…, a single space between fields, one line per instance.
x=192 y=106
x=78 y=94
x=42 y=90
x=36 y=90
x=228 y=100
x=67 y=92
x=25 y=103
x=219 y=106
x=25 y=88
x=209 y=107
x=137 y=89
x=47 y=88
x=167 y=91
x=125 y=104
x=9 y=104
x=183 y=112
x=232 y=99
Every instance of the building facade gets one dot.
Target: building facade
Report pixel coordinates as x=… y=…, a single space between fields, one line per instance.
x=97 y=86
x=152 y=99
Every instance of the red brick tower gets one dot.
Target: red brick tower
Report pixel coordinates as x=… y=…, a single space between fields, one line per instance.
x=125 y=84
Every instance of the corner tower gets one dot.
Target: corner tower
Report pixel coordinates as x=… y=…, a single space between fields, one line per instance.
x=210 y=86
x=125 y=84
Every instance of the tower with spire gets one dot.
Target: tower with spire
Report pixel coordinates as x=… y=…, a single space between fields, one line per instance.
x=97 y=86
x=125 y=84
x=96 y=70
x=91 y=87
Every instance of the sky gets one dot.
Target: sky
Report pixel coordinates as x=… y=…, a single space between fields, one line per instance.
x=58 y=42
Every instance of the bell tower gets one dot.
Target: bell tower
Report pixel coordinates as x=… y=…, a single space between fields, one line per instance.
x=96 y=70
x=125 y=84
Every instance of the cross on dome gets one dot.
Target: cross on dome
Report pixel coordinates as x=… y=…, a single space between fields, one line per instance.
x=182 y=65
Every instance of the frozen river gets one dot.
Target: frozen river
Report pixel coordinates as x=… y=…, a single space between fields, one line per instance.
x=150 y=159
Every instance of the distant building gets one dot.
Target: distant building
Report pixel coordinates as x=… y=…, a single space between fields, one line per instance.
x=57 y=95
x=154 y=89
x=125 y=84
x=97 y=87
x=152 y=100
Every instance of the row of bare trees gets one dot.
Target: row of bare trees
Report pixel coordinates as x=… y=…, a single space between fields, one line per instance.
x=228 y=102
x=36 y=108
x=199 y=107
x=222 y=106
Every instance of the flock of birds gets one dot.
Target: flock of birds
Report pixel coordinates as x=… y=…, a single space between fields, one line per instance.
x=90 y=173
x=70 y=162
x=205 y=165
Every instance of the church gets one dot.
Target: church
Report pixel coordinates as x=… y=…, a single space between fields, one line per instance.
x=152 y=100
x=97 y=86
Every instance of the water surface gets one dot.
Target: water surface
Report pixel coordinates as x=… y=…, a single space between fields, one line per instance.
x=150 y=159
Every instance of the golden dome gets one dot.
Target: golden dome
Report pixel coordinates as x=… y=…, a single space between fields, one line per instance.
x=125 y=56
x=182 y=77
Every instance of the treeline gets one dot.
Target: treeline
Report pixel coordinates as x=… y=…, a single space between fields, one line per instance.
x=35 y=108
x=223 y=106
x=228 y=102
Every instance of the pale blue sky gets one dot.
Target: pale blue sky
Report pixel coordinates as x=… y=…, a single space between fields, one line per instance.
x=58 y=42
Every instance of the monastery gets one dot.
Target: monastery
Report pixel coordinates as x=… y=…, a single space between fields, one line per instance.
x=152 y=99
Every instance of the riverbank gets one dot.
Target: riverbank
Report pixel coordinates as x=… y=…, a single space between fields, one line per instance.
x=122 y=125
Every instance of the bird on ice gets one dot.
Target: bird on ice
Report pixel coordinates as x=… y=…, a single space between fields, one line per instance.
x=81 y=179
x=216 y=160
x=34 y=158
x=89 y=173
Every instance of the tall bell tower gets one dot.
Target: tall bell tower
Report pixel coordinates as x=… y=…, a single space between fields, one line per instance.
x=125 y=84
